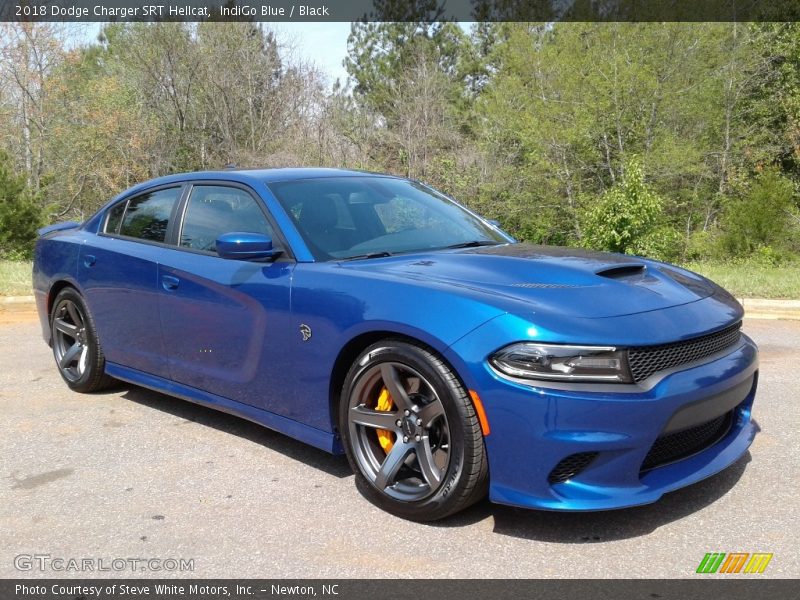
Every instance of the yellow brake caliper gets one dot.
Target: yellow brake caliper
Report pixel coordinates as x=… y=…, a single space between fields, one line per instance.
x=385 y=404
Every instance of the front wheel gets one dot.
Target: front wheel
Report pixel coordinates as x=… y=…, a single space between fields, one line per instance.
x=77 y=350
x=411 y=433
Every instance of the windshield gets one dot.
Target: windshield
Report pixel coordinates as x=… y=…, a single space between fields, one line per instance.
x=354 y=217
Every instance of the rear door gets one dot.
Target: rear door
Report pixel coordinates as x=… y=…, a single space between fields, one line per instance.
x=225 y=322
x=119 y=275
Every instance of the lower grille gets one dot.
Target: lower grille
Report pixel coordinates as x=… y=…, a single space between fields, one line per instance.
x=682 y=444
x=570 y=466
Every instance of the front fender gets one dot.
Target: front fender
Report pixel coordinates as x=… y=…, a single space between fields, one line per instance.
x=339 y=306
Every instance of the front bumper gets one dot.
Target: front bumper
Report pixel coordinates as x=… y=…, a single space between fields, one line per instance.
x=534 y=428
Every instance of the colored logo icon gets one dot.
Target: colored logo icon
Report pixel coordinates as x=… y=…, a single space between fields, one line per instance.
x=734 y=562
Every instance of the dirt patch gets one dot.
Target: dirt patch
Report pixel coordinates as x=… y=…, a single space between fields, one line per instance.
x=22 y=312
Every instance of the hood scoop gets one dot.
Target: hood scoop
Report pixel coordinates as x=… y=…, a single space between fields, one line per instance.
x=622 y=271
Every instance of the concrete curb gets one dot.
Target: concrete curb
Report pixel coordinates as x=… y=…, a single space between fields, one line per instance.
x=754 y=308
x=760 y=308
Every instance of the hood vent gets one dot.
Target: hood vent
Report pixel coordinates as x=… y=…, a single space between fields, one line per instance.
x=540 y=286
x=622 y=271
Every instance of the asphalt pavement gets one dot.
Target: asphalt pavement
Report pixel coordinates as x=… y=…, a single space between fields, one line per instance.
x=130 y=473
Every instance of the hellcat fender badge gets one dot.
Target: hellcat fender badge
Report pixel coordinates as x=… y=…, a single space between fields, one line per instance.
x=305 y=331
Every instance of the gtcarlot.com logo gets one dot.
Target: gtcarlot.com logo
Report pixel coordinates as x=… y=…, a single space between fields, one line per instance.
x=48 y=562
x=734 y=562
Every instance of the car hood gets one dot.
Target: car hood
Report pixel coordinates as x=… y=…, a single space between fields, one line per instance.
x=568 y=281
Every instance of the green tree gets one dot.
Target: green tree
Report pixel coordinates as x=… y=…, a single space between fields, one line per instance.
x=20 y=215
x=97 y=122
x=378 y=53
x=759 y=222
x=413 y=81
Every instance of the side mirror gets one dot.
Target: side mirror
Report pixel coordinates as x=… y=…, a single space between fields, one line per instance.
x=494 y=222
x=239 y=245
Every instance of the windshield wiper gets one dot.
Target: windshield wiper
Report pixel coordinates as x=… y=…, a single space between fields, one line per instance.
x=383 y=254
x=472 y=244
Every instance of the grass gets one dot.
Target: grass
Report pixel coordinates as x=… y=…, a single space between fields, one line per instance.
x=753 y=280
x=15 y=278
x=747 y=279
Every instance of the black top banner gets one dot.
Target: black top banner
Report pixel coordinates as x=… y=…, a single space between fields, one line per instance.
x=399 y=10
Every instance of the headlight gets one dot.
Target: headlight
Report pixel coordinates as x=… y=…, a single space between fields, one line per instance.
x=529 y=360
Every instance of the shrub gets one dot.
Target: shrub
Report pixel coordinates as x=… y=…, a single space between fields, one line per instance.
x=703 y=245
x=628 y=219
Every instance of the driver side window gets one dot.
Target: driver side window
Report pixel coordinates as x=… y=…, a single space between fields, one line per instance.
x=213 y=210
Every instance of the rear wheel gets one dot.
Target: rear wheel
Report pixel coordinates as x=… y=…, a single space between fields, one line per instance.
x=411 y=433
x=77 y=350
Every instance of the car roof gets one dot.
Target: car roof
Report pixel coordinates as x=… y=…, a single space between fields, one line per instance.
x=287 y=174
x=263 y=175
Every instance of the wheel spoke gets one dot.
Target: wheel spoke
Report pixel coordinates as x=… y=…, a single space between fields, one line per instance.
x=66 y=328
x=430 y=412
x=70 y=355
x=427 y=465
x=397 y=390
x=74 y=315
x=82 y=360
x=394 y=460
x=377 y=419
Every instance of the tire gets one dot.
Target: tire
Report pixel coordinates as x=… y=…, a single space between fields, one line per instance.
x=411 y=433
x=76 y=348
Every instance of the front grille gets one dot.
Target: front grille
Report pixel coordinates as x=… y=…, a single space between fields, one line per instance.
x=570 y=466
x=682 y=444
x=646 y=360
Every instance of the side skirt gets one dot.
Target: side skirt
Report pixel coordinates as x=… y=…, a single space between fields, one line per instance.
x=324 y=440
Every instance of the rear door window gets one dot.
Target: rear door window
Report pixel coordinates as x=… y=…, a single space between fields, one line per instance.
x=114 y=217
x=147 y=216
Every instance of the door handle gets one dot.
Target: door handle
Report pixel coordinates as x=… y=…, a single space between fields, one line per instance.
x=168 y=282
x=89 y=260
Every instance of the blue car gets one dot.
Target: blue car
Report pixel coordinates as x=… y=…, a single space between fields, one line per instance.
x=372 y=315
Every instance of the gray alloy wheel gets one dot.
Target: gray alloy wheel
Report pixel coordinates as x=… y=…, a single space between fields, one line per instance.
x=411 y=433
x=77 y=351
x=69 y=340
x=412 y=464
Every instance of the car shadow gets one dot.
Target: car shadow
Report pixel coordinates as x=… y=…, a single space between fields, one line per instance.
x=335 y=465
x=602 y=526
x=538 y=525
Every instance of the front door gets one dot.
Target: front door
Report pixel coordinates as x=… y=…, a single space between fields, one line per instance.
x=224 y=321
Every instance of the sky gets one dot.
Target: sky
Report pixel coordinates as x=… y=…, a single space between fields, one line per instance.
x=324 y=44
